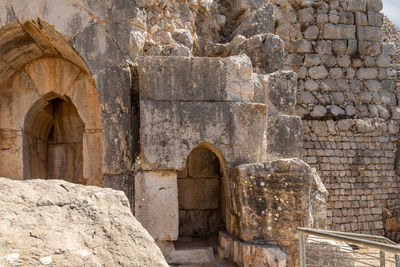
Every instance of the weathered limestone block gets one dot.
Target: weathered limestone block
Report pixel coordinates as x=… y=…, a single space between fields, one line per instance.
x=95 y=38
x=266 y=52
x=285 y=137
x=275 y=198
x=374 y=5
x=171 y=130
x=368 y=33
x=116 y=137
x=369 y=48
x=196 y=79
x=281 y=89
x=357 y=5
x=156 y=204
x=248 y=254
x=260 y=21
x=64 y=224
x=339 y=32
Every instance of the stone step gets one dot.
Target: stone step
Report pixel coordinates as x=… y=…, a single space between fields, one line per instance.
x=216 y=263
x=200 y=255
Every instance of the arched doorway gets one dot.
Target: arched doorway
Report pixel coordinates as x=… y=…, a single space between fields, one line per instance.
x=50 y=124
x=53 y=141
x=201 y=199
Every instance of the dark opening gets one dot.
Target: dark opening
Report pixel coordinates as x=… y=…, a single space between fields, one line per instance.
x=53 y=142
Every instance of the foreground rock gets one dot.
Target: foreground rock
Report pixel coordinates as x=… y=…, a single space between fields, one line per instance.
x=62 y=224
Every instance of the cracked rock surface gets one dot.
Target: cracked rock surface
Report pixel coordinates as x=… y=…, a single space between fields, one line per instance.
x=57 y=223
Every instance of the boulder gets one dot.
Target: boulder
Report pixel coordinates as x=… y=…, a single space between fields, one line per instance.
x=58 y=223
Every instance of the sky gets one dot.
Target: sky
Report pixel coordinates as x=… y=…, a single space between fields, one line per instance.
x=391 y=8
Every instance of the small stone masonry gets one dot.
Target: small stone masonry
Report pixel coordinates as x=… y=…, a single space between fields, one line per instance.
x=348 y=99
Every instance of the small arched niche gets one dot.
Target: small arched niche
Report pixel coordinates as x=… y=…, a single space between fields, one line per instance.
x=53 y=141
x=201 y=196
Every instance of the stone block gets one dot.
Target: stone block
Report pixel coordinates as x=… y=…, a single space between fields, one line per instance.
x=367 y=73
x=190 y=256
x=266 y=52
x=262 y=20
x=285 y=137
x=156 y=204
x=357 y=5
x=369 y=48
x=369 y=33
x=95 y=38
x=196 y=79
x=11 y=156
x=116 y=137
x=339 y=32
x=249 y=254
x=374 y=5
x=198 y=193
x=361 y=18
x=298 y=201
x=171 y=130
x=281 y=88
x=375 y=18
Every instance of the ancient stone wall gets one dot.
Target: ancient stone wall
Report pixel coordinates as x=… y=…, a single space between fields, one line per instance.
x=347 y=99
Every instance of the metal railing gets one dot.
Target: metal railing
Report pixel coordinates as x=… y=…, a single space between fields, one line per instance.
x=334 y=249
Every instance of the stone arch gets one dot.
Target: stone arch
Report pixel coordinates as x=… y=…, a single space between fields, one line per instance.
x=201 y=193
x=40 y=71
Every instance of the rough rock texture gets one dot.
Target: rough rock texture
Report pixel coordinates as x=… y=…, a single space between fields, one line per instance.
x=272 y=199
x=391 y=34
x=57 y=223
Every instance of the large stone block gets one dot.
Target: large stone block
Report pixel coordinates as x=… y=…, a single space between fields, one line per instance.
x=196 y=79
x=266 y=52
x=114 y=86
x=369 y=48
x=275 y=198
x=285 y=137
x=260 y=21
x=11 y=157
x=97 y=49
x=248 y=254
x=369 y=33
x=357 y=5
x=339 y=32
x=171 y=130
x=117 y=137
x=281 y=87
x=57 y=223
x=156 y=204
x=198 y=194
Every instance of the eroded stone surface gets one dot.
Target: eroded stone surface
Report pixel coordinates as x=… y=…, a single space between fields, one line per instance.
x=60 y=223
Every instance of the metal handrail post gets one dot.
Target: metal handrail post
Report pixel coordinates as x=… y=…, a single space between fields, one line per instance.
x=302 y=251
x=382 y=259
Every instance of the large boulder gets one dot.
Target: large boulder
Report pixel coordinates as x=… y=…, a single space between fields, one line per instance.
x=63 y=224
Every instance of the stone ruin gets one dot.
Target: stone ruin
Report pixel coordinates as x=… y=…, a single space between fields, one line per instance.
x=216 y=118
